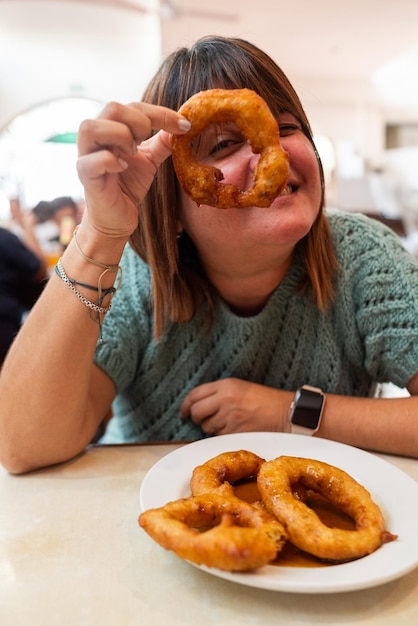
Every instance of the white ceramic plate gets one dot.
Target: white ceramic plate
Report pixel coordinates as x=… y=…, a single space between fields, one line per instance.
x=393 y=490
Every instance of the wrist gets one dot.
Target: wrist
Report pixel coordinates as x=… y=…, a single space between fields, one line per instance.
x=286 y=400
x=306 y=410
x=93 y=258
x=104 y=248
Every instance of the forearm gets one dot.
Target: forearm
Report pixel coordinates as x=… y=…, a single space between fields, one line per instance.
x=382 y=424
x=48 y=411
x=52 y=397
x=387 y=425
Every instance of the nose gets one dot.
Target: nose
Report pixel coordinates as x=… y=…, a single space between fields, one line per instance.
x=248 y=163
x=252 y=159
x=240 y=170
x=250 y=156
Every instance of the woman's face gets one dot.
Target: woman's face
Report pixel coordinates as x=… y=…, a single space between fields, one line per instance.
x=279 y=227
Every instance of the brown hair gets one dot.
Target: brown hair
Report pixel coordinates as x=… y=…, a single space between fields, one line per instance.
x=178 y=281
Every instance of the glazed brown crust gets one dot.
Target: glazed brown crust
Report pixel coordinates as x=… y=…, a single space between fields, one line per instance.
x=276 y=480
x=252 y=116
x=217 y=474
x=217 y=531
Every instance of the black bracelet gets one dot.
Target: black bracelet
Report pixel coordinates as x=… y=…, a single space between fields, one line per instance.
x=105 y=292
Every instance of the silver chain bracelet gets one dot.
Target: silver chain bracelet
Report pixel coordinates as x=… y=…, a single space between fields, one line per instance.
x=92 y=305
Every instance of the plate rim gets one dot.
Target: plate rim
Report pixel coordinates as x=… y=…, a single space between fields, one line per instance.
x=268 y=577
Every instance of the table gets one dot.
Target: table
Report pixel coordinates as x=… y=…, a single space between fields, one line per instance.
x=71 y=553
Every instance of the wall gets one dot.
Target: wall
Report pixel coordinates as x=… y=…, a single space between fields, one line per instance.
x=52 y=51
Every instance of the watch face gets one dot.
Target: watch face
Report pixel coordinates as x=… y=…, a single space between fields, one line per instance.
x=307 y=409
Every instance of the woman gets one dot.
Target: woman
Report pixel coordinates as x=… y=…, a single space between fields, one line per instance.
x=222 y=314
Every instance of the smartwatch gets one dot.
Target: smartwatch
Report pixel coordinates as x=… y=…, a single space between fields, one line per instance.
x=306 y=410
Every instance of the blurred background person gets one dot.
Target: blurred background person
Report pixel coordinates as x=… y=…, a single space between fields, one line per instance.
x=55 y=223
x=22 y=277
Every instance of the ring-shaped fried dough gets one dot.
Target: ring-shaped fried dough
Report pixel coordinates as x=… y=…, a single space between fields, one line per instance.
x=252 y=116
x=216 y=531
x=217 y=474
x=275 y=482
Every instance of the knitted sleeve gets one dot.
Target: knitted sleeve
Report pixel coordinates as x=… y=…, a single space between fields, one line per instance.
x=384 y=297
x=127 y=328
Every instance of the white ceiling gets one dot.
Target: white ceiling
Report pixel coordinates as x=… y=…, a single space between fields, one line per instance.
x=325 y=46
x=343 y=38
x=331 y=47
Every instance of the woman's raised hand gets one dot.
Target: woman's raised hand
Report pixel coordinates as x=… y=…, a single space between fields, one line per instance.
x=118 y=160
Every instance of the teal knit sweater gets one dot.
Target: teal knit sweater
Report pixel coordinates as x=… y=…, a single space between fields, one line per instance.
x=369 y=335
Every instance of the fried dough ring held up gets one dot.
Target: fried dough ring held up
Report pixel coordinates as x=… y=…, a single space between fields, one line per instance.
x=275 y=481
x=252 y=116
x=216 y=531
x=217 y=474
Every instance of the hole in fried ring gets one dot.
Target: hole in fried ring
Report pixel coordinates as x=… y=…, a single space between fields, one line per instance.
x=217 y=474
x=252 y=116
x=216 y=531
x=275 y=482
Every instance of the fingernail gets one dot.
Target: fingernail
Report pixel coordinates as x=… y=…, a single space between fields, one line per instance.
x=184 y=124
x=123 y=163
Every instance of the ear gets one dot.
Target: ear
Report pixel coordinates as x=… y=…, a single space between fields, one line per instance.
x=179 y=226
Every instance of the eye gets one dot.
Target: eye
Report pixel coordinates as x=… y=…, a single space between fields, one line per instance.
x=218 y=142
x=224 y=144
x=288 y=128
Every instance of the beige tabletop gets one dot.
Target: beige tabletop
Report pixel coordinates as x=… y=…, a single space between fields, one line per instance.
x=71 y=553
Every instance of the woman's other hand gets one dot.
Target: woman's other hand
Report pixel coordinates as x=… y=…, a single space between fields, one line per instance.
x=231 y=405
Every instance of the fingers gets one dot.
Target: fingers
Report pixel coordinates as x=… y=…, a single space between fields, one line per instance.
x=205 y=407
x=162 y=118
x=234 y=405
x=200 y=403
x=122 y=128
x=156 y=149
x=118 y=157
x=96 y=164
x=94 y=135
x=92 y=168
